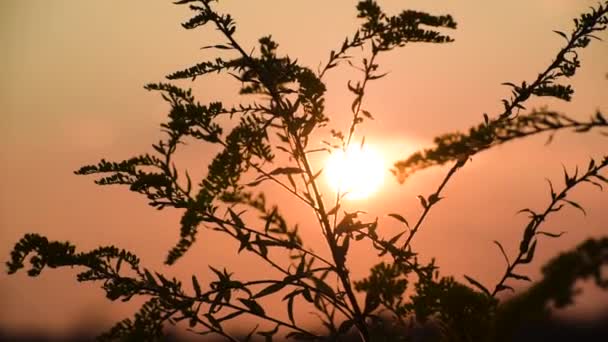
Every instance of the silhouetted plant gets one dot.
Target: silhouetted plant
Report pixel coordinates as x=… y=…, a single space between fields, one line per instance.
x=287 y=105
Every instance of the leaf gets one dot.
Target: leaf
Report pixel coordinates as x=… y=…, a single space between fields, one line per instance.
x=262 y=246
x=270 y=333
x=248 y=337
x=257 y=181
x=236 y=219
x=290 y=309
x=567 y=179
x=591 y=162
x=375 y=77
x=219 y=46
x=286 y=171
x=118 y=264
x=576 y=205
x=503 y=287
x=292 y=181
x=324 y=288
x=334 y=210
x=306 y=294
x=394 y=239
x=317 y=174
x=502 y=250
x=270 y=218
x=528 y=258
x=527 y=210
x=244 y=241
x=561 y=34
x=423 y=201
x=150 y=277
x=270 y=289
x=367 y=114
x=549 y=234
x=219 y=274
x=600 y=177
x=528 y=235
x=553 y=195
x=399 y=218
x=434 y=199
x=213 y=321
x=189 y=184
x=300 y=269
x=196 y=286
x=519 y=277
x=477 y=285
x=253 y=306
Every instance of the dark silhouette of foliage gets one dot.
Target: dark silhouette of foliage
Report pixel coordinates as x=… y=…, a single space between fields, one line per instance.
x=556 y=287
x=456 y=146
x=286 y=107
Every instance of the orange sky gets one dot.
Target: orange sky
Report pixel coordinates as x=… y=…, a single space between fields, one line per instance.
x=71 y=93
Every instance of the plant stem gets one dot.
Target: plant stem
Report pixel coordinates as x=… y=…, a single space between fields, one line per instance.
x=536 y=220
x=435 y=195
x=320 y=208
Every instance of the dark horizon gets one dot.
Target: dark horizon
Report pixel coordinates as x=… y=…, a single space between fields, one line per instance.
x=592 y=329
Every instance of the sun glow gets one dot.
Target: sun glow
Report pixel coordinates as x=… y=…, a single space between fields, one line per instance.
x=358 y=172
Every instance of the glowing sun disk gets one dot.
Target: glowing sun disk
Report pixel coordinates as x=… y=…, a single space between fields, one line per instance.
x=358 y=172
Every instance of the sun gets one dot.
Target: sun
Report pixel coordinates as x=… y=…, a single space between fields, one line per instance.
x=358 y=172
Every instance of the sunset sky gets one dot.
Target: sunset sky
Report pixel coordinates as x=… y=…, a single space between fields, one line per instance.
x=71 y=93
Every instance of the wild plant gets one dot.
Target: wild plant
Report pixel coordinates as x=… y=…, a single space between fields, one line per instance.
x=267 y=138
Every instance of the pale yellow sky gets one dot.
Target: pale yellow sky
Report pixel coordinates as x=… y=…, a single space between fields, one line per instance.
x=72 y=93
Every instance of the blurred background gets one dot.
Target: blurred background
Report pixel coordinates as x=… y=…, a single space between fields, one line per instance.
x=71 y=93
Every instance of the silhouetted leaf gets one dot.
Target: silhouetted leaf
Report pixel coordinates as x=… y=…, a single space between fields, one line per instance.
x=502 y=250
x=549 y=234
x=503 y=287
x=253 y=306
x=477 y=285
x=423 y=201
x=530 y=255
x=576 y=205
x=269 y=290
x=399 y=218
x=196 y=286
x=286 y=170
x=519 y=277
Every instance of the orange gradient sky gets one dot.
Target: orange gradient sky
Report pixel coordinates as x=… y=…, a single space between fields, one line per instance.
x=71 y=93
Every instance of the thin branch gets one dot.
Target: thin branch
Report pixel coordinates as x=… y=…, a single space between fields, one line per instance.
x=526 y=252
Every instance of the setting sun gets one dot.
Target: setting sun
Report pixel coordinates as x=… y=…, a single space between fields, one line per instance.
x=358 y=172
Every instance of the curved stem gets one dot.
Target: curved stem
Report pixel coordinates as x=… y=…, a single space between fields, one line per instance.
x=320 y=208
x=536 y=221
x=435 y=195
